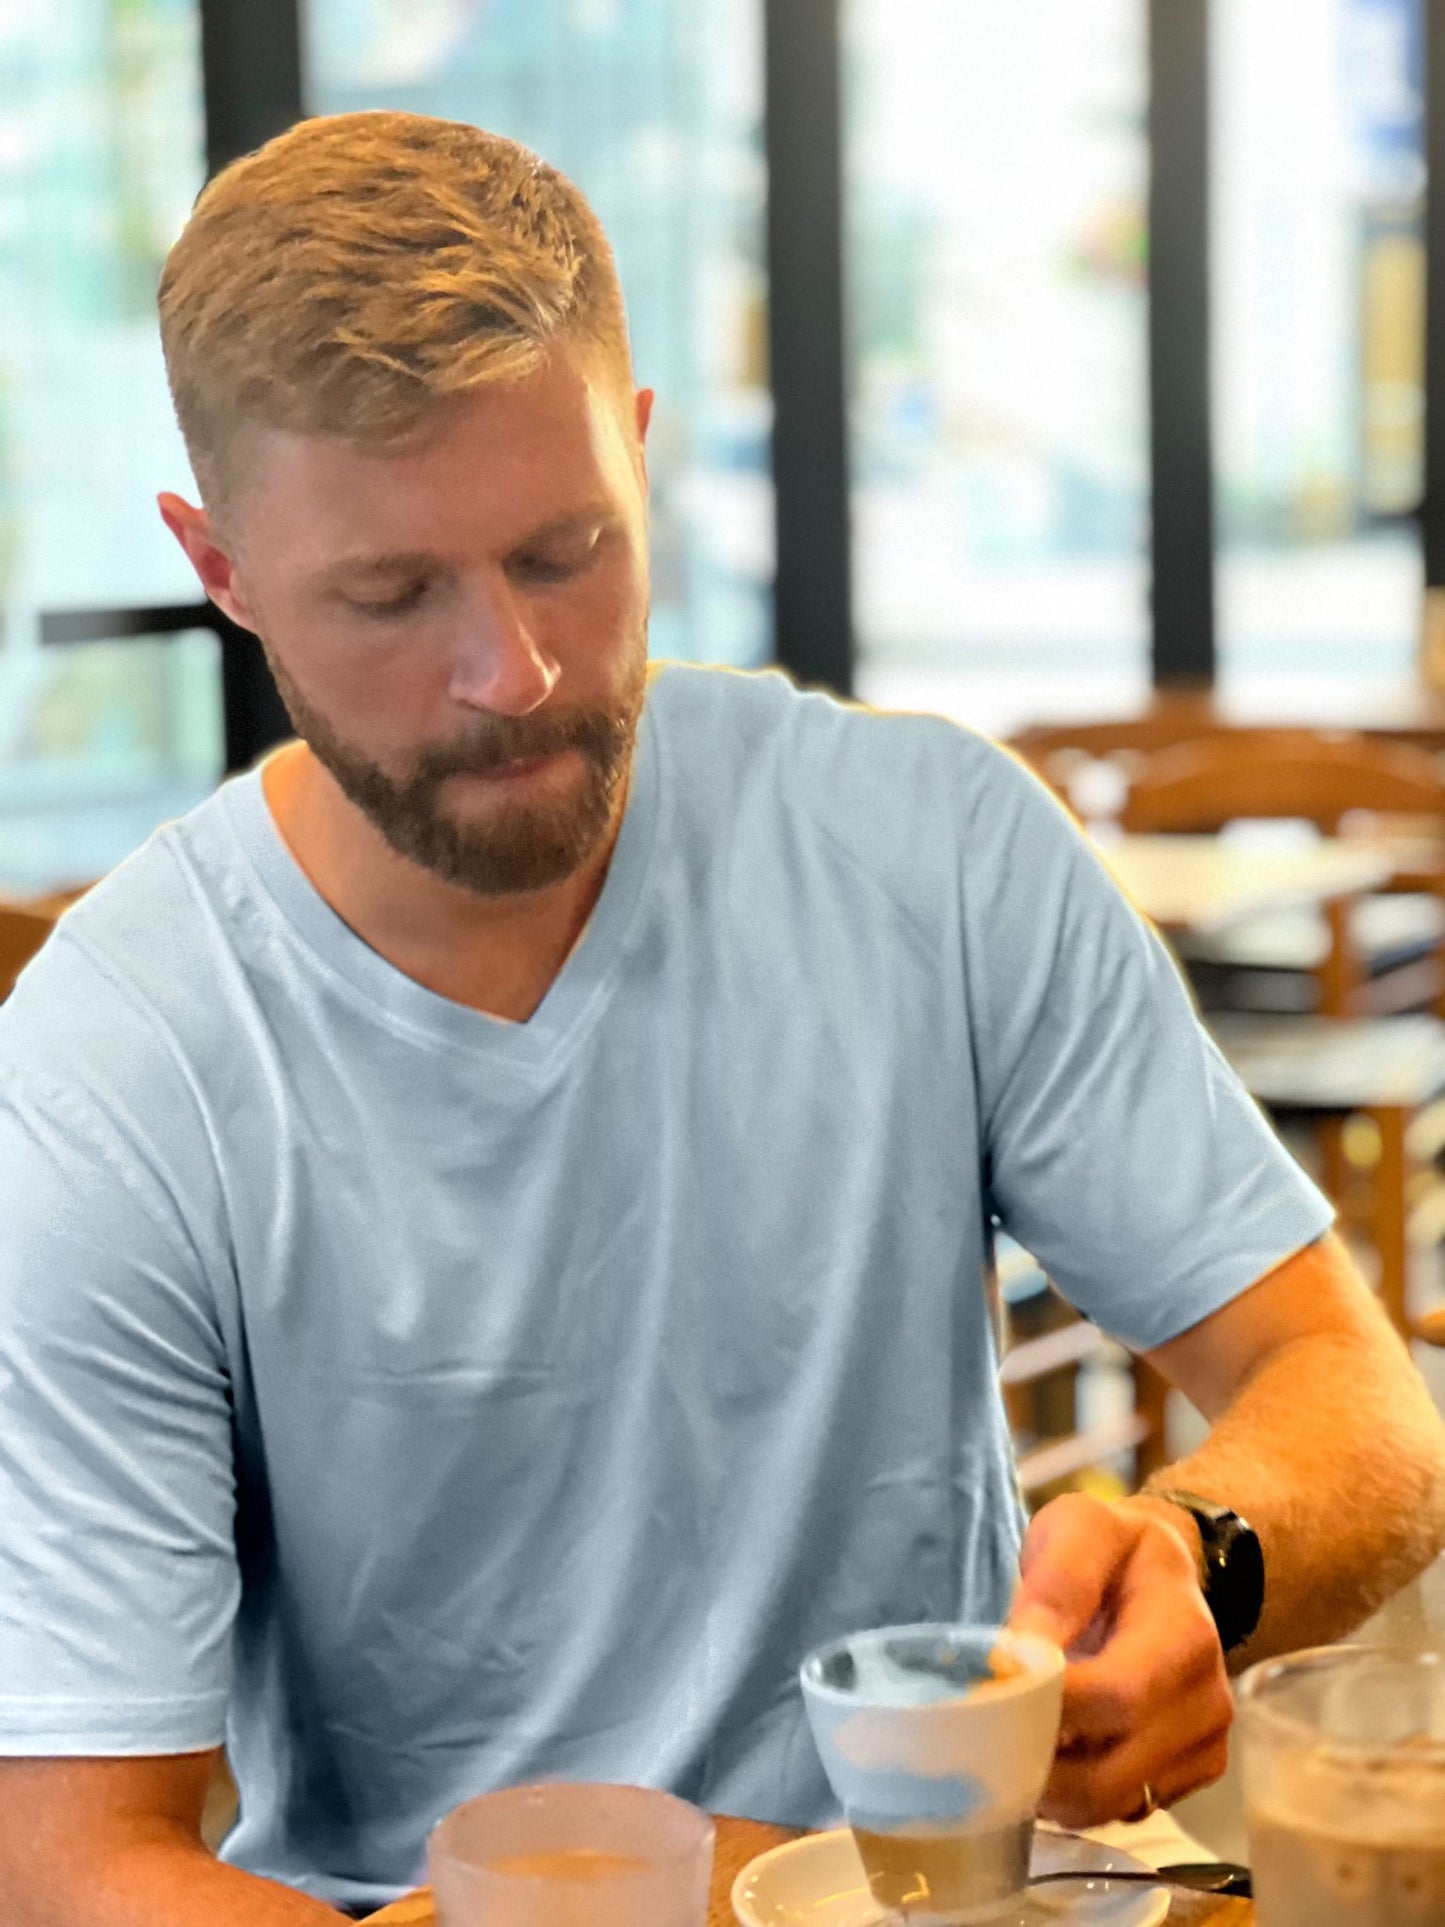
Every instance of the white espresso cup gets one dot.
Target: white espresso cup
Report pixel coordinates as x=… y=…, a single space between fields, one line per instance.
x=938 y=1740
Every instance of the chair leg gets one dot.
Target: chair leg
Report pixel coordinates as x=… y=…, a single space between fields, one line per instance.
x=1390 y=1208
x=1335 y=1171
x=1151 y=1390
x=1340 y=977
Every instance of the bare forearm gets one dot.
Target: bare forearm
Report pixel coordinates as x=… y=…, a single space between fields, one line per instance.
x=159 y=1885
x=1336 y=1456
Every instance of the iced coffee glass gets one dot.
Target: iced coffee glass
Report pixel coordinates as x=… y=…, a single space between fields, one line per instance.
x=937 y=1740
x=1343 y=1756
x=572 y=1854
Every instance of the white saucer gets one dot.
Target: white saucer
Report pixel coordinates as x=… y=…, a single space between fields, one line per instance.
x=818 y=1881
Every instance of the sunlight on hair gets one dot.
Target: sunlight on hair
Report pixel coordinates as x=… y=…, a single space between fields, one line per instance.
x=360 y=269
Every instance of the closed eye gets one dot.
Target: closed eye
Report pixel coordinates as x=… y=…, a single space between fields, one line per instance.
x=393 y=605
x=543 y=566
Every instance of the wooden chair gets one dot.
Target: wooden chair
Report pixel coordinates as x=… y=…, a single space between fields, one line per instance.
x=1088 y=764
x=1380 y=956
x=1048 y=1349
x=1344 y=1060
x=24 y=929
x=22 y=932
x=1323 y=778
x=25 y=923
x=1180 y=717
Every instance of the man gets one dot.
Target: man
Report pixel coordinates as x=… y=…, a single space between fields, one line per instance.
x=500 y=1198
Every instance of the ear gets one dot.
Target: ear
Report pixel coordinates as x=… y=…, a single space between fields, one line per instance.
x=211 y=559
x=645 y=399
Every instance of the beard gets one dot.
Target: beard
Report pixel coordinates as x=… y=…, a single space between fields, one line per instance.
x=524 y=844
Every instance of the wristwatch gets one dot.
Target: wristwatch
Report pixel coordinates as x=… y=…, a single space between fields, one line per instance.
x=1233 y=1566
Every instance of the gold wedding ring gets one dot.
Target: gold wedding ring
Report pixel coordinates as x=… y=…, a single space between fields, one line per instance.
x=1147 y=1805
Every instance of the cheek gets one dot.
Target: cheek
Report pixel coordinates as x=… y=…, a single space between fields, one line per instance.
x=594 y=624
x=366 y=677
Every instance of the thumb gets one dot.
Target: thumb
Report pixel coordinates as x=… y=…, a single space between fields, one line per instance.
x=1069 y=1560
x=1038 y=1620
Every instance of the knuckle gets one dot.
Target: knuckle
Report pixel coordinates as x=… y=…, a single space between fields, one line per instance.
x=1167 y=1550
x=1203 y=1655
x=1107 y=1787
x=1118 y=1795
x=1207 y=1767
x=1084 y=1794
x=1217 y=1758
x=1222 y=1707
x=1126 y=1703
x=1070 y=1811
x=1087 y=1517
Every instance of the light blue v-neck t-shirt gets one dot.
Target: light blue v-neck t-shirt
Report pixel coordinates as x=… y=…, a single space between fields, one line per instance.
x=423 y=1403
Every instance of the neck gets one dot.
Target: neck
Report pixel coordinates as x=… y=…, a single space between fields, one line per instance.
x=496 y=955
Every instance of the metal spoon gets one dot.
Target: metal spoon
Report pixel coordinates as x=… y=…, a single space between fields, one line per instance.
x=1204 y=1876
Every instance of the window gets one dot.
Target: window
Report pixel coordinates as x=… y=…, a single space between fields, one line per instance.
x=101 y=153
x=996 y=174
x=654 y=109
x=1319 y=277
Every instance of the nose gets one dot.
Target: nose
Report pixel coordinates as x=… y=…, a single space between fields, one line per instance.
x=500 y=665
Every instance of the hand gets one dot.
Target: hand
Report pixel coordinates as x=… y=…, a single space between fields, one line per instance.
x=1146 y=1695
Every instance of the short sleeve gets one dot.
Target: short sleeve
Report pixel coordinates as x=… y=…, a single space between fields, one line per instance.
x=118 y=1577
x=1120 y=1148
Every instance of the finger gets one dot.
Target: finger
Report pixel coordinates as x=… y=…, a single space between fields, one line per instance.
x=1171 y=1726
x=1111 y=1787
x=1162 y=1649
x=1069 y=1564
x=1159 y=1675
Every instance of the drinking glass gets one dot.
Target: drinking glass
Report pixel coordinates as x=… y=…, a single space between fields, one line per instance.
x=1343 y=1757
x=938 y=1740
x=572 y=1854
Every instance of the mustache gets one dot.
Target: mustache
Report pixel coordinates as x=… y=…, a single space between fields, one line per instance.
x=599 y=736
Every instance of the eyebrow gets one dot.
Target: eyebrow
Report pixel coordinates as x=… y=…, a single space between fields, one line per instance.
x=367 y=566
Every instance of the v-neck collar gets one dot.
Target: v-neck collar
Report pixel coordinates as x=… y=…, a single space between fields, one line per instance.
x=576 y=995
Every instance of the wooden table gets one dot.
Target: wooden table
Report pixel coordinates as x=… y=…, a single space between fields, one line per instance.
x=738 y=1841
x=1206 y=883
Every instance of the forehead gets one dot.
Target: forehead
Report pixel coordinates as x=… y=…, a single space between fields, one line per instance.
x=487 y=468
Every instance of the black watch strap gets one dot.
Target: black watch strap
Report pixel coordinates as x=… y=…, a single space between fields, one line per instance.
x=1233 y=1565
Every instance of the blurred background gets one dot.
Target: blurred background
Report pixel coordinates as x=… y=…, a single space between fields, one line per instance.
x=1073 y=370
x=1062 y=369
x=955 y=204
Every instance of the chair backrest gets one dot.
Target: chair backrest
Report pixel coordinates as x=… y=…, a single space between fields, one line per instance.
x=25 y=924
x=22 y=932
x=1089 y=765
x=1301 y=774
x=1180 y=720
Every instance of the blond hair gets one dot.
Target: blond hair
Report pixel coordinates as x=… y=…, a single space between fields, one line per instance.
x=361 y=268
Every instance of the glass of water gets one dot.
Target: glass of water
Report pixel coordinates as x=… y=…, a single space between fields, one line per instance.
x=1343 y=1755
x=572 y=1854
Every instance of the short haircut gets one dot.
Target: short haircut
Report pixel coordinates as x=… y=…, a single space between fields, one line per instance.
x=359 y=269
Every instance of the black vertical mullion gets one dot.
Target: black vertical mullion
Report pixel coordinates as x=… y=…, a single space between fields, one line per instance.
x=1181 y=457
x=251 y=73
x=251 y=78
x=812 y=595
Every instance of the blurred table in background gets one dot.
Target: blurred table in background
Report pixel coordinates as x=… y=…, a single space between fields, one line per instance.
x=1387 y=1070
x=1203 y=883
x=1406 y=713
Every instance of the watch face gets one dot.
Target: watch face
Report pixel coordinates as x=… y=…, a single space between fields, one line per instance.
x=1240 y=1586
x=1234 y=1567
